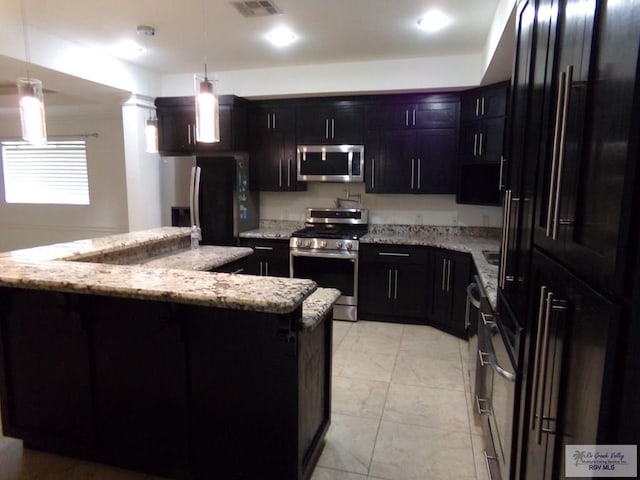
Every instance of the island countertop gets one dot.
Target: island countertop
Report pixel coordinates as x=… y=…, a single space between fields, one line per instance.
x=110 y=266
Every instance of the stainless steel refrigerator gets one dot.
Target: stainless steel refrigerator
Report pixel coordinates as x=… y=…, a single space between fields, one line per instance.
x=220 y=201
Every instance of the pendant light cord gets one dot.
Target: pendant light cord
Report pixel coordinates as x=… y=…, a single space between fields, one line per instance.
x=27 y=53
x=204 y=35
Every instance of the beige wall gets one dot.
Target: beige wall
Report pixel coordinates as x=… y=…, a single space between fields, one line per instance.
x=390 y=209
x=29 y=225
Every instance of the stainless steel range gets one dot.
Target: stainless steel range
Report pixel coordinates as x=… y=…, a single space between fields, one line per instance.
x=326 y=251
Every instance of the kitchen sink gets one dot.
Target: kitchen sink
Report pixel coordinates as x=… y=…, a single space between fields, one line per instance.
x=492 y=257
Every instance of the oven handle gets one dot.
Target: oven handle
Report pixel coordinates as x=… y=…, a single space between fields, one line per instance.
x=323 y=254
x=494 y=363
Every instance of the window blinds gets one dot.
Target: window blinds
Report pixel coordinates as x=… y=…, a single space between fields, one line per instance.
x=54 y=173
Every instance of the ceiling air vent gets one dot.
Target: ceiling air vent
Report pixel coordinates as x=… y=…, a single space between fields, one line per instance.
x=260 y=8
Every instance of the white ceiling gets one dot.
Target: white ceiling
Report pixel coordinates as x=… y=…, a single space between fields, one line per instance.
x=329 y=31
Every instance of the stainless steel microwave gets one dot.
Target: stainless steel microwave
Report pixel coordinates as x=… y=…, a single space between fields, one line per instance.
x=331 y=163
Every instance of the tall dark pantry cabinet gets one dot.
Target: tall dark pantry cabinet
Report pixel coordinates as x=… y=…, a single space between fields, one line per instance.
x=570 y=257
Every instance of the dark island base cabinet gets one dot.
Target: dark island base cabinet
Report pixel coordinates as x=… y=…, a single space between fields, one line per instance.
x=177 y=390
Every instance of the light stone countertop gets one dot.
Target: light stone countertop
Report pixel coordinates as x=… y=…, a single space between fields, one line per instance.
x=472 y=240
x=71 y=268
x=317 y=305
x=204 y=258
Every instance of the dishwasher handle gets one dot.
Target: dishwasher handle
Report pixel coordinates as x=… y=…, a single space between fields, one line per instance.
x=473 y=294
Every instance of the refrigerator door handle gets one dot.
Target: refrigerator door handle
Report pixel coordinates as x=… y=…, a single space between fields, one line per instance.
x=196 y=197
x=192 y=211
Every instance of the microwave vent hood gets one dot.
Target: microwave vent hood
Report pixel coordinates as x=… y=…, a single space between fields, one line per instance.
x=330 y=163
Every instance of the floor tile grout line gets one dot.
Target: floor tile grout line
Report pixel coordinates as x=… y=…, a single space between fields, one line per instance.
x=384 y=406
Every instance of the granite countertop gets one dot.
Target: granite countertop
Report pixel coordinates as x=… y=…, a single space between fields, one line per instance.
x=72 y=267
x=317 y=305
x=204 y=258
x=472 y=240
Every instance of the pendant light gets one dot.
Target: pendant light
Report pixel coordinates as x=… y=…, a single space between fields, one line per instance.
x=207 y=105
x=32 y=119
x=151 y=134
x=207 y=110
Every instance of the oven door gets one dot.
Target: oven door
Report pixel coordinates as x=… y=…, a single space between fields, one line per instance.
x=331 y=270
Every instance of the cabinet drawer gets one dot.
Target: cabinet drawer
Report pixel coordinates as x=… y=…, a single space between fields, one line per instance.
x=267 y=247
x=394 y=254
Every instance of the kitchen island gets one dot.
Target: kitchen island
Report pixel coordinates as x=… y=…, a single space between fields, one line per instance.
x=106 y=355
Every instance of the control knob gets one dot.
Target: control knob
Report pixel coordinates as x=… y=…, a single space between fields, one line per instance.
x=349 y=246
x=338 y=244
x=323 y=244
x=307 y=244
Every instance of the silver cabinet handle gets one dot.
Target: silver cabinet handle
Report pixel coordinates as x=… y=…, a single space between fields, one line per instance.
x=448 y=275
x=373 y=174
x=333 y=128
x=477 y=106
x=482 y=110
x=563 y=140
x=484 y=317
x=505 y=238
x=486 y=462
x=274 y=121
x=419 y=167
x=326 y=128
x=268 y=121
x=479 y=409
x=389 y=286
x=395 y=286
x=500 y=184
x=235 y=272
x=480 y=153
x=289 y=173
x=406 y=118
x=280 y=173
x=414 y=117
x=443 y=273
x=393 y=254
x=467 y=308
x=262 y=248
x=413 y=171
x=539 y=405
x=189 y=133
x=554 y=153
x=481 y=358
x=536 y=356
x=266 y=269
x=260 y=267
x=475 y=144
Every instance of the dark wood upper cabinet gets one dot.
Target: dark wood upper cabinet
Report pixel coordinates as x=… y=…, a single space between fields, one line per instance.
x=177 y=126
x=432 y=112
x=330 y=123
x=272 y=145
x=485 y=102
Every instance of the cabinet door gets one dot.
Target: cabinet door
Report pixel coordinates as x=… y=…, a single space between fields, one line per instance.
x=440 y=289
x=333 y=124
x=392 y=116
x=270 y=257
x=485 y=102
x=176 y=130
x=435 y=170
x=140 y=383
x=409 y=291
x=45 y=348
x=573 y=326
x=273 y=152
x=450 y=275
x=375 y=290
x=396 y=167
x=491 y=142
x=435 y=115
x=470 y=141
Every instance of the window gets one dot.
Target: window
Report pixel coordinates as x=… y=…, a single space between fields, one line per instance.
x=54 y=173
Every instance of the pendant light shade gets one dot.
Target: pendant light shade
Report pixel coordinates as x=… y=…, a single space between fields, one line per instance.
x=34 y=129
x=207 y=111
x=151 y=135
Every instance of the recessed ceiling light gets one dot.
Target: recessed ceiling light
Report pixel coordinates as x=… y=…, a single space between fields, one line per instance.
x=128 y=49
x=433 y=20
x=281 y=37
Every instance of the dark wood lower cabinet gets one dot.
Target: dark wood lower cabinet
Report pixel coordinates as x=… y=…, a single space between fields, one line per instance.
x=45 y=376
x=177 y=390
x=393 y=283
x=270 y=257
x=450 y=274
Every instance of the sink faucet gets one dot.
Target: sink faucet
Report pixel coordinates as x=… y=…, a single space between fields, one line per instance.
x=349 y=197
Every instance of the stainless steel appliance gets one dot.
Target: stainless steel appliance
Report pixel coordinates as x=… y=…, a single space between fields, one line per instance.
x=495 y=389
x=326 y=251
x=220 y=202
x=331 y=163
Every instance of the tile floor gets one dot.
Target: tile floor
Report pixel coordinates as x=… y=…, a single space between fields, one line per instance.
x=401 y=411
